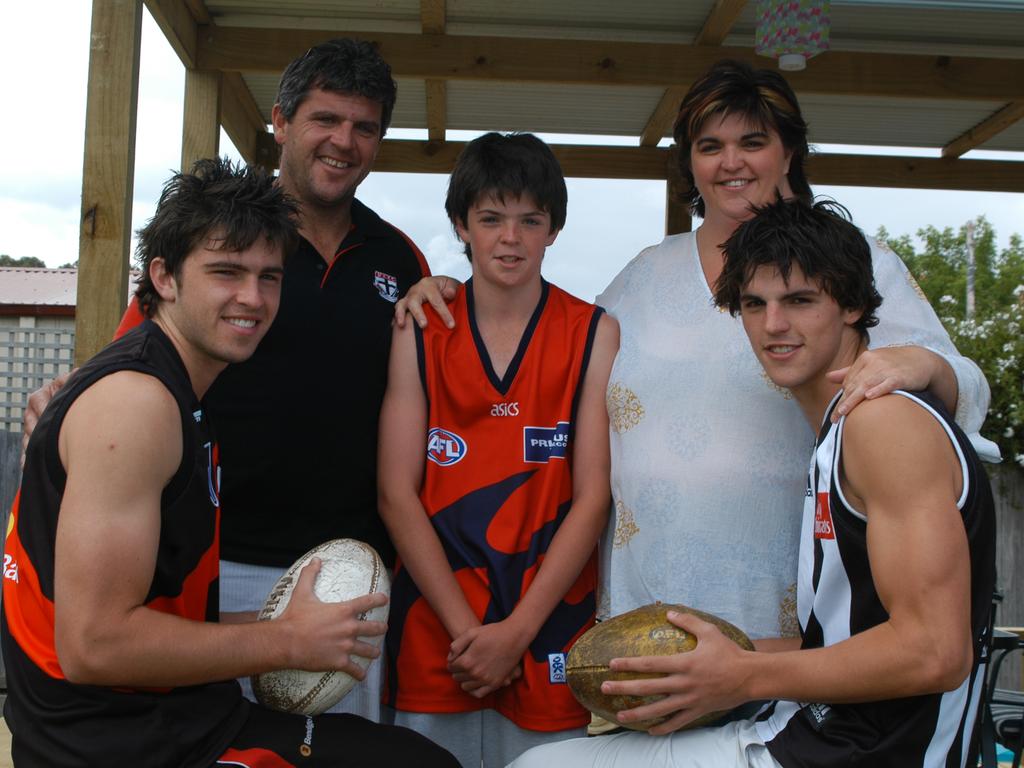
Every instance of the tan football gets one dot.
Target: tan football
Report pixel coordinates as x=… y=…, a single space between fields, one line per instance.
x=645 y=631
x=349 y=569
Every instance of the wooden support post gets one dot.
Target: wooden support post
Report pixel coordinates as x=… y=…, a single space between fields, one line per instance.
x=108 y=173
x=677 y=213
x=200 y=133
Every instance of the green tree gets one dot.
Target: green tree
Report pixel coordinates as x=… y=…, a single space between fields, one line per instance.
x=24 y=261
x=995 y=338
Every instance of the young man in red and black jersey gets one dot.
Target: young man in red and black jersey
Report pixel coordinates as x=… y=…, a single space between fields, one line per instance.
x=297 y=421
x=110 y=636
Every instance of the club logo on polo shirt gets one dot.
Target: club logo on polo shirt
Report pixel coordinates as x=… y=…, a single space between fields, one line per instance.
x=386 y=285
x=541 y=444
x=445 y=448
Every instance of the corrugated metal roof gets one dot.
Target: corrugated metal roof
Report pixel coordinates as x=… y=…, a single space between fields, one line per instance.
x=1010 y=140
x=542 y=108
x=964 y=29
x=888 y=121
x=939 y=27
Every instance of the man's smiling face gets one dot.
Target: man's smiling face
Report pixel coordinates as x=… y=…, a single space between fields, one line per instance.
x=328 y=147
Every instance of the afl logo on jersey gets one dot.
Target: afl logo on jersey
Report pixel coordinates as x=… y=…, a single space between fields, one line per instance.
x=445 y=448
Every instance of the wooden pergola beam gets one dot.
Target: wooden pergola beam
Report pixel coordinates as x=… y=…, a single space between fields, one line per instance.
x=656 y=163
x=677 y=213
x=244 y=124
x=433 y=19
x=200 y=133
x=591 y=62
x=178 y=23
x=199 y=11
x=581 y=161
x=991 y=126
x=437 y=109
x=723 y=15
x=916 y=173
x=108 y=175
x=720 y=20
x=662 y=117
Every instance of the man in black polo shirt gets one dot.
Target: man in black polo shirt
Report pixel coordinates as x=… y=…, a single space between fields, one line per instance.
x=297 y=422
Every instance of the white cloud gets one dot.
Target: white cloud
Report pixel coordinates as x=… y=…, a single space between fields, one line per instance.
x=40 y=229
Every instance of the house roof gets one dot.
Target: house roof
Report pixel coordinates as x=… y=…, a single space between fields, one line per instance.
x=25 y=288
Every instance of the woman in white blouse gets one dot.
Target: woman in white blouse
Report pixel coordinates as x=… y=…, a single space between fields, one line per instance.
x=708 y=456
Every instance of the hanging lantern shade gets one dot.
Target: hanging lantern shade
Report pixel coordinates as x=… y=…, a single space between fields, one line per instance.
x=792 y=31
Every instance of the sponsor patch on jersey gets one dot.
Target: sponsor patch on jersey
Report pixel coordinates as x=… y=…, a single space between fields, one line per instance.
x=445 y=448
x=556 y=668
x=541 y=444
x=10 y=568
x=386 y=285
x=505 y=409
x=823 y=528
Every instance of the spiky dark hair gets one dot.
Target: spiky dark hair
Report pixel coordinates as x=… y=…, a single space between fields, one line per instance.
x=233 y=205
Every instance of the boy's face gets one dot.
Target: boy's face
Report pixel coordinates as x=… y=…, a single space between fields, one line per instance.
x=222 y=303
x=507 y=238
x=797 y=330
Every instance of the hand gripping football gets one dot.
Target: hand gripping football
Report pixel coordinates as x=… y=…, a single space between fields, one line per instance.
x=645 y=631
x=349 y=569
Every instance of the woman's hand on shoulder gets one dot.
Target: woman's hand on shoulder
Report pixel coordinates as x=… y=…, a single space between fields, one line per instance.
x=877 y=372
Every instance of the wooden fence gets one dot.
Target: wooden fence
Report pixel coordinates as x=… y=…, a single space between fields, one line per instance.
x=1008 y=489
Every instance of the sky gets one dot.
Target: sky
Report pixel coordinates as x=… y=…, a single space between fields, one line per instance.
x=609 y=221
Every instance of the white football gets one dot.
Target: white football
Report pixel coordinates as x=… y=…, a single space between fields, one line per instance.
x=349 y=569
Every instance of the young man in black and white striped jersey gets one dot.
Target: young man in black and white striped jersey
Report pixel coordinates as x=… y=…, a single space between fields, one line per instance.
x=897 y=549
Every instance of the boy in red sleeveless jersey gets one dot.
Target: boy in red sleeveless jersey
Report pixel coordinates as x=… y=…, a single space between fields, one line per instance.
x=494 y=473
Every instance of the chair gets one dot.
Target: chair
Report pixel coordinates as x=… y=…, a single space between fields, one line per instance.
x=1000 y=711
x=1005 y=708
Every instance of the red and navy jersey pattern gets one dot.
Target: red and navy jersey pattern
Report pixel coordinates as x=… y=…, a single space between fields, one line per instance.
x=836 y=598
x=58 y=723
x=497 y=484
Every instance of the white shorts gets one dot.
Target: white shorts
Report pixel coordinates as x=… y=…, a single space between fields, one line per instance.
x=245 y=587
x=734 y=745
x=482 y=738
